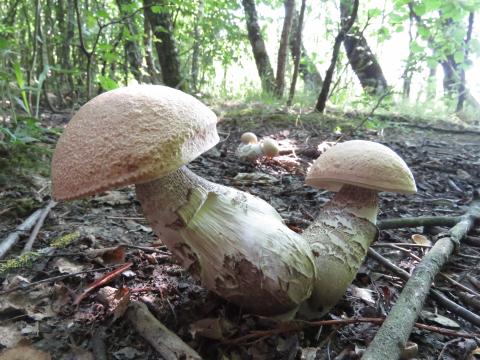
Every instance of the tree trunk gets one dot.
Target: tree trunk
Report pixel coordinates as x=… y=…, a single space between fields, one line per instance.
x=295 y=45
x=283 y=48
x=307 y=69
x=462 y=91
x=153 y=70
x=161 y=24
x=345 y=28
x=133 y=51
x=361 y=58
x=262 y=60
x=196 y=46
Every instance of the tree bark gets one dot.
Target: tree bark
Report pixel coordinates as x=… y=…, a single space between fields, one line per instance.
x=346 y=26
x=283 y=48
x=361 y=58
x=262 y=60
x=296 y=52
x=392 y=336
x=166 y=47
x=133 y=51
x=196 y=46
x=153 y=70
x=462 y=91
x=307 y=69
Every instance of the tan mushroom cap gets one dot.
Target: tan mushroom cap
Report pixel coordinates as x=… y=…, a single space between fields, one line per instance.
x=364 y=164
x=130 y=135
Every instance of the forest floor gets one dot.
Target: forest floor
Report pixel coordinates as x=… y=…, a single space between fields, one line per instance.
x=446 y=167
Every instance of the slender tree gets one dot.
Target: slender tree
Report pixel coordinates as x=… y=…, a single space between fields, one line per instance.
x=260 y=54
x=344 y=29
x=132 y=48
x=161 y=24
x=296 y=52
x=283 y=47
x=361 y=58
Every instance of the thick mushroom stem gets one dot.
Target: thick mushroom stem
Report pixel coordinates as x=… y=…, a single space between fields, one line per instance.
x=339 y=238
x=235 y=243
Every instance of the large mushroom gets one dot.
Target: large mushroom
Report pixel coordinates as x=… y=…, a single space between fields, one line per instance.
x=345 y=227
x=235 y=243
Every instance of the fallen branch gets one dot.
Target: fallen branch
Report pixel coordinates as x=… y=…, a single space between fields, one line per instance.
x=54 y=278
x=418 y=221
x=13 y=238
x=167 y=344
x=436 y=295
x=393 y=335
x=297 y=326
x=38 y=226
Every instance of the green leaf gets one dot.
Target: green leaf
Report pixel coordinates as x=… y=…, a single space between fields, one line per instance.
x=107 y=83
x=416 y=47
x=420 y=9
x=459 y=56
x=424 y=32
x=21 y=84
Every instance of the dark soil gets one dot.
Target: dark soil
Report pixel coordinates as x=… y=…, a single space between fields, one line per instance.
x=446 y=167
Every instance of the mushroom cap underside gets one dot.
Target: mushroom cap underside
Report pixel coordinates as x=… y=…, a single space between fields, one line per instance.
x=130 y=135
x=364 y=164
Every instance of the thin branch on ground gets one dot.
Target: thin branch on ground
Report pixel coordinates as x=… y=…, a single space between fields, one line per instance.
x=55 y=278
x=418 y=221
x=38 y=226
x=301 y=325
x=164 y=341
x=387 y=344
x=436 y=295
x=13 y=238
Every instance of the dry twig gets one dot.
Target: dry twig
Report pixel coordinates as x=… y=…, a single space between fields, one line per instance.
x=13 y=238
x=167 y=344
x=394 y=333
x=38 y=226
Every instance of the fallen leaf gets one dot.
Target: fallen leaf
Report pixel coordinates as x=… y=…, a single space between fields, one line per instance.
x=212 y=328
x=102 y=281
x=363 y=294
x=421 y=240
x=24 y=352
x=116 y=300
x=66 y=266
x=108 y=256
x=9 y=335
x=439 y=319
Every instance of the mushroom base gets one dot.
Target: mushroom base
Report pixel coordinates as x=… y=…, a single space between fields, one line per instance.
x=235 y=243
x=339 y=239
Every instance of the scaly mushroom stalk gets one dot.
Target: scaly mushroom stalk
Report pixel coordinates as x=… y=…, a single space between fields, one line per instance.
x=345 y=228
x=339 y=238
x=235 y=243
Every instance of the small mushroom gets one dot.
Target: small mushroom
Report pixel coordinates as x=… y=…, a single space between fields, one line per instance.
x=235 y=243
x=344 y=229
x=250 y=149
x=249 y=138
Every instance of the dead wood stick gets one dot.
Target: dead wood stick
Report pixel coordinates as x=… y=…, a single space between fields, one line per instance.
x=55 y=278
x=38 y=226
x=436 y=295
x=301 y=325
x=12 y=239
x=167 y=344
x=393 y=334
x=418 y=221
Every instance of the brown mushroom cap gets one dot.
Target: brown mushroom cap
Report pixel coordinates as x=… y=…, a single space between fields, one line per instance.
x=270 y=148
x=130 y=135
x=364 y=164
